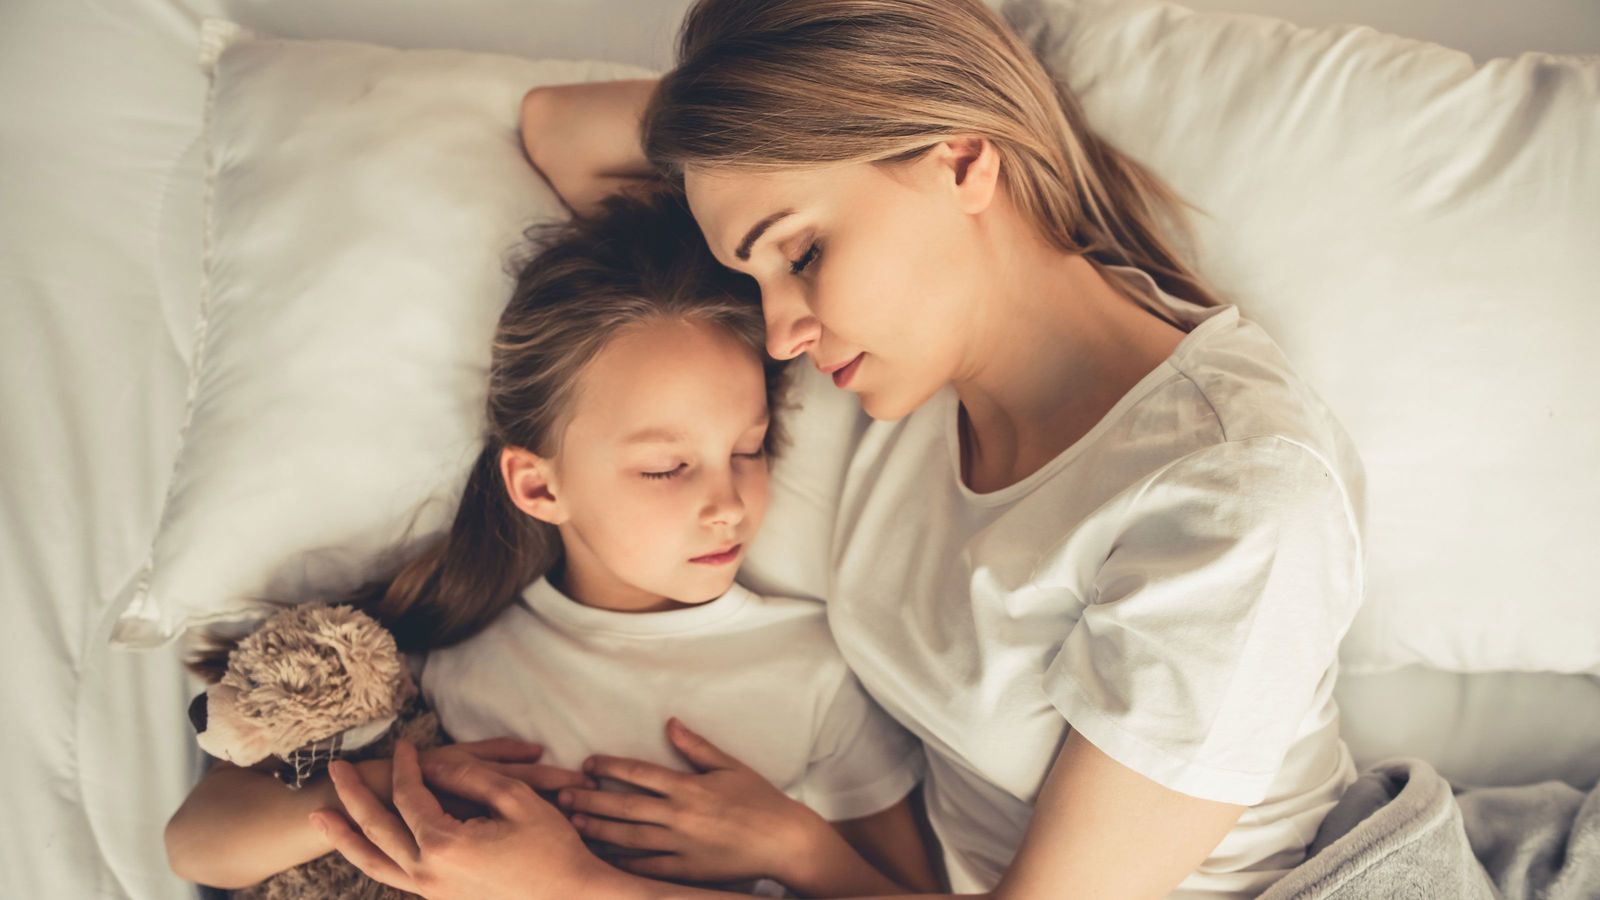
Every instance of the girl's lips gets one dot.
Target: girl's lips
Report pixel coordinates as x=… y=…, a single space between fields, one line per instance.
x=841 y=377
x=719 y=559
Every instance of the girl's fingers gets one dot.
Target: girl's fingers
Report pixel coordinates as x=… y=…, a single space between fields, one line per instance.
x=631 y=807
x=625 y=834
x=380 y=826
x=649 y=776
x=503 y=749
x=543 y=778
x=361 y=853
x=705 y=755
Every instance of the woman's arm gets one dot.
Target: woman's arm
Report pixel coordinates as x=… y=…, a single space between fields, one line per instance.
x=584 y=138
x=1099 y=829
x=893 y=843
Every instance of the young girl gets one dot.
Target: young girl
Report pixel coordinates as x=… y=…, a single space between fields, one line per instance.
x=585 y=595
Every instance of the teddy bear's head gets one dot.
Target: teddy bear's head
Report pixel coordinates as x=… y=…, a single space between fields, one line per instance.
x=312 y=680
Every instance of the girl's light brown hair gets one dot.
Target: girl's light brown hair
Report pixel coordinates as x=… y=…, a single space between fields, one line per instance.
x=639 y=261
x=786 y=84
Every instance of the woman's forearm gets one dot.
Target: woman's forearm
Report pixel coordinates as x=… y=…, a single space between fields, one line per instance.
x=584 y=138
x=240 y=826
x=830 y=867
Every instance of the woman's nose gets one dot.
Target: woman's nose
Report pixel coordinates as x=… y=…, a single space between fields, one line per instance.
x=791 y=328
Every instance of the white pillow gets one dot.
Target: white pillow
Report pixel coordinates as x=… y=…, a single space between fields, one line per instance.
x=361 y=204
x=1421 y=237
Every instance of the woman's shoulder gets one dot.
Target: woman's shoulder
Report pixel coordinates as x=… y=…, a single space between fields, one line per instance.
x=1262 y=410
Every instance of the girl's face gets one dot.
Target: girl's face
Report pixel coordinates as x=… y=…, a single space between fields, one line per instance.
x=660 y=482
x=871 y=270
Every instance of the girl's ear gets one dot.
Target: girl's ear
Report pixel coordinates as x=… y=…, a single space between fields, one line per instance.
x=529 y=479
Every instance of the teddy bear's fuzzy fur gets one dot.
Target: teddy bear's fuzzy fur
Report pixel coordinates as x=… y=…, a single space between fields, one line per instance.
x=307 y=673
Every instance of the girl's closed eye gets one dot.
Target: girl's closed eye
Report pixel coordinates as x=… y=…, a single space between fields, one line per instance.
x=680 y=467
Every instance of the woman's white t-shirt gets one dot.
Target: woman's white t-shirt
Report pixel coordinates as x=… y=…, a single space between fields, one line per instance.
x=758 y=676
x=1174 y=586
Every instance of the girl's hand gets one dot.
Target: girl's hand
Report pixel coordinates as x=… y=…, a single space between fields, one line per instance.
x=725 y=823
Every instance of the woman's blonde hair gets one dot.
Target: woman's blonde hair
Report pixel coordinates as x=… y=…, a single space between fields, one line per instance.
x=579 y=285
x=782 y=84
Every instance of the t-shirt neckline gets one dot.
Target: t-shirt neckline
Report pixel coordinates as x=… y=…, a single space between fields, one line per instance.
x=1201 y=320
x=562 y=611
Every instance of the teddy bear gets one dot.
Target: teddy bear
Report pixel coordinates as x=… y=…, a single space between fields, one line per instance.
x=312 y=684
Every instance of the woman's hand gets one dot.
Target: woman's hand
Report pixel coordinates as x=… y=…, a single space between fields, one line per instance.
x=722 y=824
x=522 y=849
x=505 y=756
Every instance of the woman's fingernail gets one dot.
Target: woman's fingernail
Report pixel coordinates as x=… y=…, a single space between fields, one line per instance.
x=564 y=798
x=591 y=784
x=580 y=821
x=318 y=823
x=588 y=764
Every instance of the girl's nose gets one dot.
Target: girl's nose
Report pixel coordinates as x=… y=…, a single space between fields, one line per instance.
x=723 y=506
x=791 y=328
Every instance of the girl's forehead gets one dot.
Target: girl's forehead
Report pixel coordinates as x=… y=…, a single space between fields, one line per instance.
x=687 y=378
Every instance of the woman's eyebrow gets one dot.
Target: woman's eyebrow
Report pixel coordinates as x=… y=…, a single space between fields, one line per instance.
x=755 y=232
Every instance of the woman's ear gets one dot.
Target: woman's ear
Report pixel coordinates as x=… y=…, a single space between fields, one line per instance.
x=530 y=481
x=972 y=165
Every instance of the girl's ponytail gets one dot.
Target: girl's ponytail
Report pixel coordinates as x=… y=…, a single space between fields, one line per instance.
x=467 y=577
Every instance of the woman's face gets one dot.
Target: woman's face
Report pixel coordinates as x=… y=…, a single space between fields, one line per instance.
x=660 y=481
x=869 y=269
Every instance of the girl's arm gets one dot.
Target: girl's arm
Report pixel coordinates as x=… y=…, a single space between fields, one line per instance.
x=727 y=823
x=240 y=826
x=584 y=138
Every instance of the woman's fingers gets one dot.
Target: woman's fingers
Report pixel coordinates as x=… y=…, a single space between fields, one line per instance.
x=632 y=807
x=631 y=835
x=649 y=776
x=360 y=852
x=503 y=749
x=380 y=826
x=507 y=797
x=667 y=866
x=542 y=777
x=417 y=805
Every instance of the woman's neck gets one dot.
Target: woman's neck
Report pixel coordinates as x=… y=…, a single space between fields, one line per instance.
x=1055 y=349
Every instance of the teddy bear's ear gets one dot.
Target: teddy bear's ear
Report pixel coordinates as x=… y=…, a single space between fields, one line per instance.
x=229 y=735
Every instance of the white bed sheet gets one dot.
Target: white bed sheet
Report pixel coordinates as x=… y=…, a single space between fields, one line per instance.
x=99 y=250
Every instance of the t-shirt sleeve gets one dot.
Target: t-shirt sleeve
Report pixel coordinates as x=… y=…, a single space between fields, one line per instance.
x=1214 y=618
x=862 y=761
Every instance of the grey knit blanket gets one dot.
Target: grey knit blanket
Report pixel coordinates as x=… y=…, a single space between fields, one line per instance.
x=1401 y=832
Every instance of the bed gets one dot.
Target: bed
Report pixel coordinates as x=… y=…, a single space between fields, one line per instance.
x=100 y=163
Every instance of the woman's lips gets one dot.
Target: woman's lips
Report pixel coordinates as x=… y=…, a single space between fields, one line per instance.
x=719 y=559
x=842 y=376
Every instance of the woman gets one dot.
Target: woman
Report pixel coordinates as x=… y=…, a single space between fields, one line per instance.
x=1100 y=546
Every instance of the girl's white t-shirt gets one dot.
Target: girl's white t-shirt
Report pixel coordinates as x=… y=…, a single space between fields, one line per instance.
x=1174 y=586
x=758 y=676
